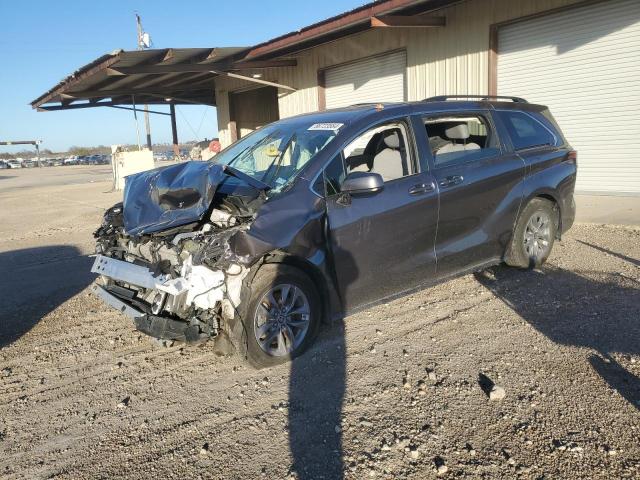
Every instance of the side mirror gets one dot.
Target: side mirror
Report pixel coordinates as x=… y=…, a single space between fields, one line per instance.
x=362 y=182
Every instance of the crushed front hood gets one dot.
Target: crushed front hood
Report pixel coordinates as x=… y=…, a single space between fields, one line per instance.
x=169 y=197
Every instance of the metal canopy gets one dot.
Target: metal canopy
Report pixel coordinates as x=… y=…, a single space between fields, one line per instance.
x=187 y=75
x=159 y=76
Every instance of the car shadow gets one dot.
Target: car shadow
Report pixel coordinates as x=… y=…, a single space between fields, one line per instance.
x=34 y=282
x=632 y=261
x=590 y=309
x=317 y=385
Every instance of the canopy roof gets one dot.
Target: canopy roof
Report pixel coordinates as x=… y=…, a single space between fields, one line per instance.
x=158 y=76
x=187 y=75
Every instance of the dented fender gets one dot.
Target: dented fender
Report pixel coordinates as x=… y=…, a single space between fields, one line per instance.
x=294 y=234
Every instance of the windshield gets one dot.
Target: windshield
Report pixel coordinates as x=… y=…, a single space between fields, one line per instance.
x=275 y=154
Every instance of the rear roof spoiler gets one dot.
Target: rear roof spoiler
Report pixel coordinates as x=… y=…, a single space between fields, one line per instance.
x=444 y=98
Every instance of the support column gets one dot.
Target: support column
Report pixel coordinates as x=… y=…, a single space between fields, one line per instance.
x=174 y=130
x=147 y=126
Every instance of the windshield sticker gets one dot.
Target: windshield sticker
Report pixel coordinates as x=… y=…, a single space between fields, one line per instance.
x=326 y=126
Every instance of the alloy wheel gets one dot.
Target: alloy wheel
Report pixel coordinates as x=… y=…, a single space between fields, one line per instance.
x=282 y=319
x=537 y=235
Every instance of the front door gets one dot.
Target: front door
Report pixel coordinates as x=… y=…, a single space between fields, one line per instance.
x=382 y=243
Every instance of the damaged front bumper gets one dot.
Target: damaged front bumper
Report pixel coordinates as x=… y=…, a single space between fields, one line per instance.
x=156 y=302
x=163 y=328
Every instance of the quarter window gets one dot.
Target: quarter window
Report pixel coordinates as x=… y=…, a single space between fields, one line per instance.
x=526 y=131
x=460 y=139
x=333 y=176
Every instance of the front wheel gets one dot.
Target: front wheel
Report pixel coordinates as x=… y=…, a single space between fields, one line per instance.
x=534 y=235
x=282 y=317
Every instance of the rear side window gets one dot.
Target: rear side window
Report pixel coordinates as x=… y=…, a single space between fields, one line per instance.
x=525 y=131
x=463 y=138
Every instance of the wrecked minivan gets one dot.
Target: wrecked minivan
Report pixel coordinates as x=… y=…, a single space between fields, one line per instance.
x=313 y=217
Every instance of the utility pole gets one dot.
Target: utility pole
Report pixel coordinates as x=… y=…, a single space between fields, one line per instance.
x=135 y=117
x=143 y=42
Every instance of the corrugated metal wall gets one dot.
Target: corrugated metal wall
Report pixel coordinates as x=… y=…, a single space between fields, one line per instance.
x=449 y=60
x=585 y=65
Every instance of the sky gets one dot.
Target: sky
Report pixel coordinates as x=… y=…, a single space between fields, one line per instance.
x=43 y=41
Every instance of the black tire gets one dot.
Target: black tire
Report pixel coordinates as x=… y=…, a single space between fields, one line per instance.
x=268 y=278
x=526 y=247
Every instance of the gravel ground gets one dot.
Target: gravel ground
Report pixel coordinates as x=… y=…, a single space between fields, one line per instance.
x=501 y=374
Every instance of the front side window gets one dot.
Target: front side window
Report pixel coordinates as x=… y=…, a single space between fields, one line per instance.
x=276 y=153
x=383 y=149
x=460 y=139
x=525 y=131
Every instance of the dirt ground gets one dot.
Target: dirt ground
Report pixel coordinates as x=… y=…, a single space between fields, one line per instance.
x=397 y=391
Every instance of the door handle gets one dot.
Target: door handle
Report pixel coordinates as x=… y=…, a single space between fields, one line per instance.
x=421 y=188
x=451 y=181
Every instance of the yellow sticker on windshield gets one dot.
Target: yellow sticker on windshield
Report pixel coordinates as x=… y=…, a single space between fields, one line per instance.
x=272 y=151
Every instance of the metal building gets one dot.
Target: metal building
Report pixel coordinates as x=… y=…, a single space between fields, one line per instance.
x=582 y=58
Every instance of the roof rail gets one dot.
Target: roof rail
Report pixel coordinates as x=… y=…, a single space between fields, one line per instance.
x=444 y=98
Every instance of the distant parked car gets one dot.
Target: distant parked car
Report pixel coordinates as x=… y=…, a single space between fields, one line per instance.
x=3 y=165
x=51 y=162
x=14 y=164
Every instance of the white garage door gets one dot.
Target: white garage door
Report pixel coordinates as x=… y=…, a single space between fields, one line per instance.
x=376 y=79
x=585 y=65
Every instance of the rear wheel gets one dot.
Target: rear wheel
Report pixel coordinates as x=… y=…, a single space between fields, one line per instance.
x=534 y=235
x=282 y=317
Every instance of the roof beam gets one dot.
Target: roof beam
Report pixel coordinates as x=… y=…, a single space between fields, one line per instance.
x=198 y=67
x=190 y=80
x=116 y=93
x=257 y=64
x=182 y=99
x=255 y=80
x=408 y=21
x=49 y=108
x=137 y=110
x=147 y=82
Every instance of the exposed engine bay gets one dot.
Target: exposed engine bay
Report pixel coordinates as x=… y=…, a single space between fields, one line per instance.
x=178 y=283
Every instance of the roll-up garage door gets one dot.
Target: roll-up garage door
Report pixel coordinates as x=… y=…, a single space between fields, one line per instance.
x=375 y=79
x=583 y=63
